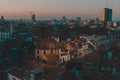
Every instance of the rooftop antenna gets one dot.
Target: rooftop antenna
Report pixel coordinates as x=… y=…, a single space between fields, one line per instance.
x=106 y=6
x=30 y=12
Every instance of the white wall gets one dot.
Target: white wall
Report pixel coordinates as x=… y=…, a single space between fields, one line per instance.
x=10 y=77
x=64 y=58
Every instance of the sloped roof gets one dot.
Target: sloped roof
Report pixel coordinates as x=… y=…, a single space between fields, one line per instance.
x=52 y=58
x=45 y=43
x=25 y=69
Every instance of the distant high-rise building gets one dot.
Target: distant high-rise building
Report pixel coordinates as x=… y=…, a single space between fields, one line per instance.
x=78 y=19
x=33 y=18
x=64 y=18
x=106 y=14
x=2 y=18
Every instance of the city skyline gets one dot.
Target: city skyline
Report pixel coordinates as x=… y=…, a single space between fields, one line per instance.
x=56 y=8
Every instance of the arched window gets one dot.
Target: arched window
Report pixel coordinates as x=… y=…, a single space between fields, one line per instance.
x=44 y=52
x=38 y=51
x=51 y=50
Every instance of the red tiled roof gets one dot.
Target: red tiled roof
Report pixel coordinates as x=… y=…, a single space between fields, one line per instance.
x=45 y=43
x=53 y=73
x=31 y=65
x=52 y=58
x=20 y=74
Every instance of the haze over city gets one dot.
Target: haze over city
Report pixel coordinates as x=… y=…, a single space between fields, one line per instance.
x=56 y=8
x=59 y=40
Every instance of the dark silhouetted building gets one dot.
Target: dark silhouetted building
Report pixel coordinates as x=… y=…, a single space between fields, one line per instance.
x=2 y=17
x=33 y=17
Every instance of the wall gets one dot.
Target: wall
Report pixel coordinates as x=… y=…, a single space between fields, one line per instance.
x=11 y=77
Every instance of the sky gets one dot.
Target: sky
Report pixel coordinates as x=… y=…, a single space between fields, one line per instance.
x=56 y=8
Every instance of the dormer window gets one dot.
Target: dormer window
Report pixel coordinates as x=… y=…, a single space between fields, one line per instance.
x=51 y=50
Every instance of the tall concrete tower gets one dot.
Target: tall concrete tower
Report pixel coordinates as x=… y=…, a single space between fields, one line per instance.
x=33 y=17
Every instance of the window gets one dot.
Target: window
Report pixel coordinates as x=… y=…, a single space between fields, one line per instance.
x=38 y=57
x=38 y=51
x=80 y=54
x=51 y=50
x=44 y=52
